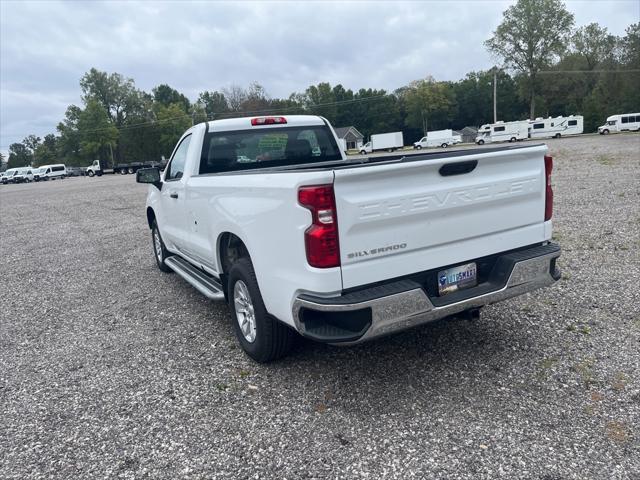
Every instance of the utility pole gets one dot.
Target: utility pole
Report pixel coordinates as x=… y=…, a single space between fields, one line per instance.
x=424 y=123
x=495 y=83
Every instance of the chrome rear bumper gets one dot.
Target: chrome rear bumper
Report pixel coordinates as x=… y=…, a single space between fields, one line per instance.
x=405 y=303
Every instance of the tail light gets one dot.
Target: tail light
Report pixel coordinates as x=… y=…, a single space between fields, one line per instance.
x=548 y=204
x=321 y=238
x=268 y=121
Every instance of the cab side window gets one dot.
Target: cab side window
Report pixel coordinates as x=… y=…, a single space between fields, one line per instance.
x=176 y=166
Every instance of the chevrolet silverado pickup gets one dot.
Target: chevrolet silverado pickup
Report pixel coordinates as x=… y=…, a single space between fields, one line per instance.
x=268 y=214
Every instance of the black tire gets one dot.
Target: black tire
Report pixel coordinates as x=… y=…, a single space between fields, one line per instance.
x=131 y=170
x=363 y=152
x=605 y=131
x=90 y=173
x=418 y=147
x=162 y=253
x=512 y=139
x=273 y=339
x=557 y=135
x=123 y=171
x=480 y=142
x=444 y=145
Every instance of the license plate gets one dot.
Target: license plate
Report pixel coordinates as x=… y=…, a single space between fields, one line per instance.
x=457 y=278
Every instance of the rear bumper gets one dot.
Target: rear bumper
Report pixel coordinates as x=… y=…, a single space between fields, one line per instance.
x=383 y=309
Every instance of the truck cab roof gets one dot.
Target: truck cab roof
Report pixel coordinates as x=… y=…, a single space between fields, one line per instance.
x=245 y=123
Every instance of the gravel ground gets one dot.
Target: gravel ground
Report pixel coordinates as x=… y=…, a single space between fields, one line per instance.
x=110 y=368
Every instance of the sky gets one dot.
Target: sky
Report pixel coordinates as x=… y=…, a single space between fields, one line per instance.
x=46 y=46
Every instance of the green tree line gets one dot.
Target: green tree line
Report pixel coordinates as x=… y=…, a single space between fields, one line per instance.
x=545 y=67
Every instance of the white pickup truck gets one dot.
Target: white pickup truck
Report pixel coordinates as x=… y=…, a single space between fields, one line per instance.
x=268 y=214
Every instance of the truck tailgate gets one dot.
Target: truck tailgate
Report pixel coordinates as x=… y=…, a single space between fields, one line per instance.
x=399 y=218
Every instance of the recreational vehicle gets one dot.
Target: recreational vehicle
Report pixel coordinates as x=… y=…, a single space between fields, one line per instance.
x=620 y=123
x=503 y=132
x=556 y=127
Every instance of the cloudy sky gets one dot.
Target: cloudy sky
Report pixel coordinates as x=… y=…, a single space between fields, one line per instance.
x=46 y=46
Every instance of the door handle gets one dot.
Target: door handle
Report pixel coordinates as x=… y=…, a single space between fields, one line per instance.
x=173 y=195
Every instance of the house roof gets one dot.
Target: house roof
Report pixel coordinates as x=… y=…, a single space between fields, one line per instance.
x=342 y=132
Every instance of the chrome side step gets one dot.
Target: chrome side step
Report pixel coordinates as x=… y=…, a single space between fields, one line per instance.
x=205 y=284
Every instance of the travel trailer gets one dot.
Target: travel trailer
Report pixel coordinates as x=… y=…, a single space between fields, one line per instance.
x=503 y=132
x=556 y=127
x=620 y=123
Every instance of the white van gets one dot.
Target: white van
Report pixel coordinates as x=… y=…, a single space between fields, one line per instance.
x=438 y=138
x=620 y=123
x=556 y=127
x=503 y=132
x=51 y=172
x=18 y=175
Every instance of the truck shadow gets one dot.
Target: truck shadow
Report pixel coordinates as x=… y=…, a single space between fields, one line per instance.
x=437 y=362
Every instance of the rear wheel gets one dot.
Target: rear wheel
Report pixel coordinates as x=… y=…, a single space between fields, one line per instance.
x=260 y=335
x=512 y=139
x=130 y=170
x=159 y=250
x=123 y=171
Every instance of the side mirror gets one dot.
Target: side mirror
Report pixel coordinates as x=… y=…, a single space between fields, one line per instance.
x=149 y=175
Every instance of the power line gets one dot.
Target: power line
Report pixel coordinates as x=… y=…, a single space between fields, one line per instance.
x=550 y=72
x=217 y=115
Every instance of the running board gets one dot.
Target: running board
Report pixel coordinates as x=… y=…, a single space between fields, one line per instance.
x=205 y=284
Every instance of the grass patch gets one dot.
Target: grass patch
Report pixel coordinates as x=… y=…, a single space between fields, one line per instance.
x=617 y=431
x=619 y=381
x=585 y=370
x=604 y=160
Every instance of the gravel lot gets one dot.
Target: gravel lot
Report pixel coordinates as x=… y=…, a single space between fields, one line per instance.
x=110 y=368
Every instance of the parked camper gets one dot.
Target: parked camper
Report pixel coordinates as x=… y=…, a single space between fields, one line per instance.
x=556 y=127
x=383 y=141
x=620 y=123
x=503 y=132
x=438 y=138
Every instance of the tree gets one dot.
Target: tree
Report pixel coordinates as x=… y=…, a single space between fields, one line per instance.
x=19 y=156
x=533 y=34
x=171 y=124
x=256 y=99
x=97 y=133
x=68 y=143
x=214 y=104
x=45 y=153
x=594 y=44
x=166 y=95
x=430 y=105
x=235 y=96
x=630 y=46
